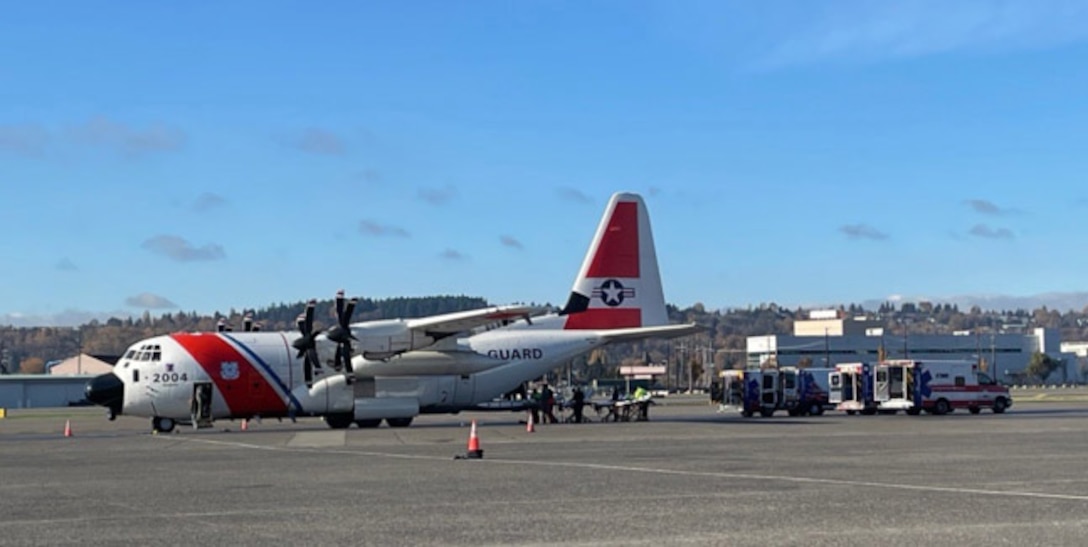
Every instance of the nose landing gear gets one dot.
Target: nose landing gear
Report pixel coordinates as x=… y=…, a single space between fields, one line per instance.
x=162 y=425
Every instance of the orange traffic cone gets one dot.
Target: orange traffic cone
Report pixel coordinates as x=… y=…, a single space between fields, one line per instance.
x=245 y=424
x=67 y=428
x=530 y=427
x=474 y=451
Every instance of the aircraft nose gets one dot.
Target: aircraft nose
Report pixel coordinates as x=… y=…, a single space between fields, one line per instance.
x=107 y=390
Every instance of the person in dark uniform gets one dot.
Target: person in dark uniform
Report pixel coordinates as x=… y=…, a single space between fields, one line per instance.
x=547 y=401
x=578 y=402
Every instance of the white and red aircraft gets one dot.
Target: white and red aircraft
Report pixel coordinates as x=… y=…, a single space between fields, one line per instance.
x=397 y=369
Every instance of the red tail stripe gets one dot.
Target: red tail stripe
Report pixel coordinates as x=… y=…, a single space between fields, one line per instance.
x=605 y=318
x=617 y=253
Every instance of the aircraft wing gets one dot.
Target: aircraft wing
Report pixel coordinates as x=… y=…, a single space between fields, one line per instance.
x=452 y=323
x=662 y=331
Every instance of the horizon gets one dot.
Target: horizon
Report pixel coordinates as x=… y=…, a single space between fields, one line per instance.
x=208 y=157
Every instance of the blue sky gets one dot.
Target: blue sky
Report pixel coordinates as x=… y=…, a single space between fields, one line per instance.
x=209 y=155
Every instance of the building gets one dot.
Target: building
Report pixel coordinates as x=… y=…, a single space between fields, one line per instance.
x=1005 y=355
x=42 y=390
x=81 y=364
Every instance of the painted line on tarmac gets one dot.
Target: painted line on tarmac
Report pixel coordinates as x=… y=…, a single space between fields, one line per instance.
x=676 y=472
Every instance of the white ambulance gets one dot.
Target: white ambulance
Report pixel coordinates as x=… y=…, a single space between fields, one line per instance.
x=937 y=387
x=852 y=388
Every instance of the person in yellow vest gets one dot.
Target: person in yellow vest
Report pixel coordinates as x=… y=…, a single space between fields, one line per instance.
x=642 y=399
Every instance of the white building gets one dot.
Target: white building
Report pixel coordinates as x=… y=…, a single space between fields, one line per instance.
x=81 y=364
x=1005 y=355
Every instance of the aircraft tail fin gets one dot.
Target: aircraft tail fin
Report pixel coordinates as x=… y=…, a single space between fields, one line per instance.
x=619 y=285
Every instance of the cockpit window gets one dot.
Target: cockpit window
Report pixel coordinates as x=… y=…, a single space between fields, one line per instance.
x=130 y=353
x=156 y=355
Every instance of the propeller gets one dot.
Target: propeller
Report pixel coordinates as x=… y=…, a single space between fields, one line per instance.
x=306 y=344
x=340 y=333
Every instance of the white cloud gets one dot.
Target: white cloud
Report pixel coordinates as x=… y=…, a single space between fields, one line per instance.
x=438 y=196
x=149 y=301
x=453 y=255
x=208 y=201
x=862 y=231
x=181 y=250
x=27 y=140
x=988 y=232
x=318 y=141
x=510 y=241
x=873 y=31
x=376 y=229
x=66 y=265
x=573 y=195
x=127 y=140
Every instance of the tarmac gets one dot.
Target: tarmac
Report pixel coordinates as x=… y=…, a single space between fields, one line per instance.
x=689 y=476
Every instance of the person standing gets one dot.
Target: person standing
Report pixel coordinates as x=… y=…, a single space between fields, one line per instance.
x=534 y=405
x=547 y=400
x=578 y=402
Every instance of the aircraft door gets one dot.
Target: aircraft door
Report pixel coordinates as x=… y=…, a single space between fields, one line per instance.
x=201 y=407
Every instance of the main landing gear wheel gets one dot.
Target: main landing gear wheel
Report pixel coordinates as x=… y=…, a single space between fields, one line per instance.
x=339 y=421
x=398 y=422
x=368 y=424
x=162 y=425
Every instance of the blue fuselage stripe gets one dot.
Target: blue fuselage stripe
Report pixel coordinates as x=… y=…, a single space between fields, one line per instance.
x=271 y=373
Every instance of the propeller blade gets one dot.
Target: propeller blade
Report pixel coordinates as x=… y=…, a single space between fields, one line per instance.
x=339 y=304
x=347 y=359
x=310 y=315
x=346 y=320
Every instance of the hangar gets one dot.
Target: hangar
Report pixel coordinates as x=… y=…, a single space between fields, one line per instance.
x=824 y=341
x=41 y=390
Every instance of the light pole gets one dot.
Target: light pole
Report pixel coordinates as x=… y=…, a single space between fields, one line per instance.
x=827 y=349
x=79 y=349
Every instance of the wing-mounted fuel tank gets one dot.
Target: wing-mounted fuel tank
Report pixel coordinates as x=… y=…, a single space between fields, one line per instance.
x=386 y=338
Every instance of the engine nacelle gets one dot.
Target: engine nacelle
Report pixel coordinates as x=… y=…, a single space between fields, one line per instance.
x=377 y=408
x=382 y=339
x=330 y=394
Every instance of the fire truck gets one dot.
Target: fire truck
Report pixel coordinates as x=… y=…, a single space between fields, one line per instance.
x=799 y=392
x=851 y=388
x=937 y=387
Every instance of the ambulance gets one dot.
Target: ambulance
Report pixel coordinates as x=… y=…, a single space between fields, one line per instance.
x=937 y=387
x=851 y=388
x=799 y=392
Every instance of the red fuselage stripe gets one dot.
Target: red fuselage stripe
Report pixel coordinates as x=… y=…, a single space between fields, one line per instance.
x=249 y=393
